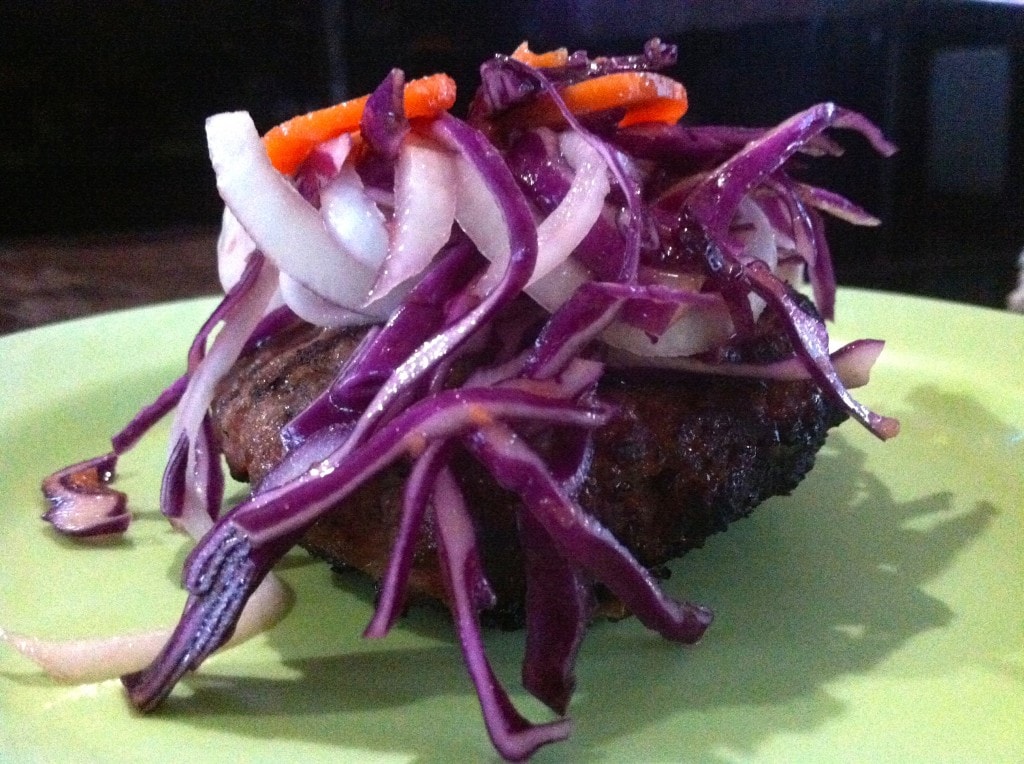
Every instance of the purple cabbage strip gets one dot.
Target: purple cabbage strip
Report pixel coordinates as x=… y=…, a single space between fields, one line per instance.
x=502 y=88
x=211 y=473
x=384 y=125
x=629 y=185
x=697 y=148
x=539 y=167
x=715 y=200
x=808 y=237
x=546 y=177
x=172 y=486
x=810 y=338
x=317 y=447
x=514 y=737
x=229 y=562
x=149 y=415
x=834 y=204
x=559 y=605
x=229 y=572
x=684 y=148
x=253 y=264
x=568 y=453
x=822 y=275
x=579 y=537
x=418 y=490
x=75 y=491
x=572 y=327
x=419 y=317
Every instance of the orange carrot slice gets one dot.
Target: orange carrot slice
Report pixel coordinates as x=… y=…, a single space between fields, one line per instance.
x=291 y=142
x=646 y=97
x=556 y=57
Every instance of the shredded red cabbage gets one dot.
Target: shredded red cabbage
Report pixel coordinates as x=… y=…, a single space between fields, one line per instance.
x=701 y=229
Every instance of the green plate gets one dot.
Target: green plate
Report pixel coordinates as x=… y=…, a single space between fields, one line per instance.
x=876 y=614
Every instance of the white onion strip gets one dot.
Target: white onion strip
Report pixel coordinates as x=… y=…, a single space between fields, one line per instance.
x=478 y=214
x=234 y=246
x=556 y=275
x=853 y=363
x=354 y=219
x=425 y=197
x=311 y=307
x=697 y=329
x=78 y=661
x=285 y=227
x=195 y=403
x=760 y=244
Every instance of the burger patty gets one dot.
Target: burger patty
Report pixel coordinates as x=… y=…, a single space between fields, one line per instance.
x=683 y=456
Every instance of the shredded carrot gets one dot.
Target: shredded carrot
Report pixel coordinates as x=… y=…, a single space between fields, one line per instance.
x=667 y=110
x=291 y=142
x=556 y=57
x=645 y=97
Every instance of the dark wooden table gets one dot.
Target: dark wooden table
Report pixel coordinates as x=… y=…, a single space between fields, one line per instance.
x=45 y=280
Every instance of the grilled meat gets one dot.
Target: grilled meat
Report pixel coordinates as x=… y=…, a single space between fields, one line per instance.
x=684 y=456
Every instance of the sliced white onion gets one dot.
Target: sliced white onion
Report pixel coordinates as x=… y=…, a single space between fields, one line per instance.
x=285 y=227
x=557 y=286
x=234 y=246
x=698 y=328
x=77 y=661
x=556 y=275
x=425 y=198
x=478 y=214
x=311 y=307
x=853 y=363
x=353 y=218
x=760 y=244
x=188 y=417
x=569 y=223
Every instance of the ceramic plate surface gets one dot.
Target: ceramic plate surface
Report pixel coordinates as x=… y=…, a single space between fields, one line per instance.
x=876 y=614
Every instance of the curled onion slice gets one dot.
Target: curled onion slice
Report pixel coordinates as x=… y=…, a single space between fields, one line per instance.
x=81 y=501
x=76 y=661
x=234 y=247
x=354 y=219
x=285 y=227
x=311 y=307
x=853 y=363
x=425 y=183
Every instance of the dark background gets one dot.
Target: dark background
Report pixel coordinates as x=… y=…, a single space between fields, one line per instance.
x=102 y=105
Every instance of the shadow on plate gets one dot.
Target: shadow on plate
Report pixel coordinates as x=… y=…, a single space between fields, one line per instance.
x=827 y=584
